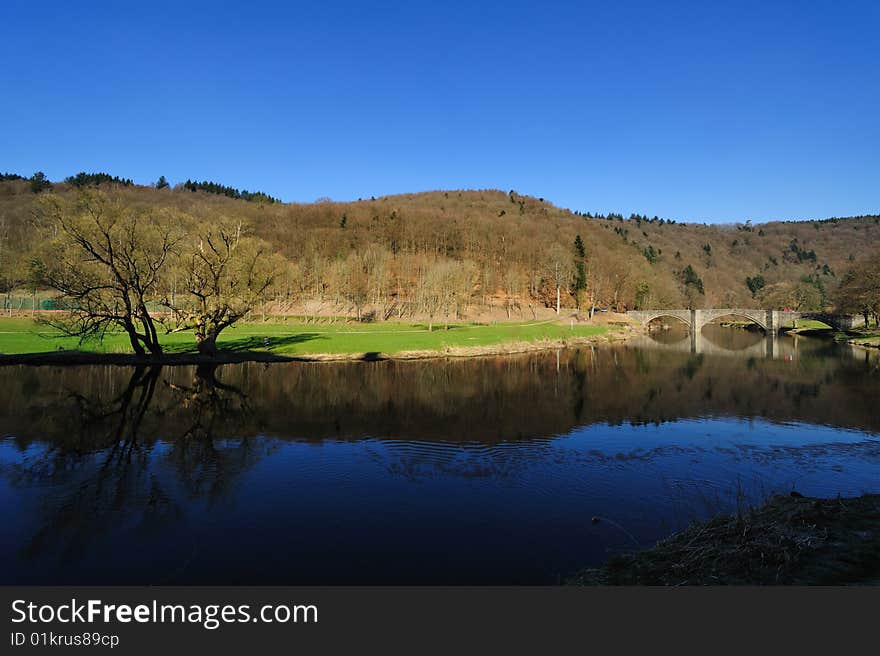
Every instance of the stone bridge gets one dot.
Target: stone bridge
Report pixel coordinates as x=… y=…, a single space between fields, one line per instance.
x=771 y=321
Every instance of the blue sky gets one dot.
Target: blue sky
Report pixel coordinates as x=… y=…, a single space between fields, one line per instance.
x=714 y=111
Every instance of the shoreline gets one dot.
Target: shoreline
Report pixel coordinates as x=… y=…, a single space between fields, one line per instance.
x=864 y=342
x=73 y=358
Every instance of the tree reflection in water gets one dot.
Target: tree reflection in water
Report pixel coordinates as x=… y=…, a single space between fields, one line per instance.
x=104 y=468
x=206 y=454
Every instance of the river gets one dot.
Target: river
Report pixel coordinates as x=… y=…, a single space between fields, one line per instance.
x=507 y=470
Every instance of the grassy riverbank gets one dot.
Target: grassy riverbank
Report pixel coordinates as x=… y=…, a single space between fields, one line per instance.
x=790 y=540
x=869 y=337
x=298 y=339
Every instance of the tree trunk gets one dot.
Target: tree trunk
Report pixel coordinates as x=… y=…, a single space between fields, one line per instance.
x=151 y=337
x=557 y=299
x=136 y=344
x=207 y=344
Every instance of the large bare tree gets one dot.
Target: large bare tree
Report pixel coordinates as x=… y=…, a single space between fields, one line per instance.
x=220 y=274
x=105 y=259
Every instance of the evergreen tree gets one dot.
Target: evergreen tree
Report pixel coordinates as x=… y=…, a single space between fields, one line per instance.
x=39 y=182
x=580 y=270
x=755 y=283
x=579 y=247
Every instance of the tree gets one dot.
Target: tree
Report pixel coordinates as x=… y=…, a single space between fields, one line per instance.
x=35 y=278
x=513 y=281
x=558 y=270
x=354 y=282
x=800 y=296
x=643 y=293
x=223 y=274
x=429 y=291
x=691 y=284
x=580 y=271
x=105 y=260
x=859 y=290
x=755 y=283
x=445 y=289
x=161 y=183
x=39 y=182
x=461 y=288
x=10 y=276
x=618 y=273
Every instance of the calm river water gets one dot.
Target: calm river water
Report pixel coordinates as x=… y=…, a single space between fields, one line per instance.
x=481 y=471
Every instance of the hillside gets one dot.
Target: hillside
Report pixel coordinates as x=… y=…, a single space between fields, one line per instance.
x=379 y=257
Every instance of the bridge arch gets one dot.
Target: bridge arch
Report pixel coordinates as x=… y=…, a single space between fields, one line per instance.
x=667 y=315
x=758 y=317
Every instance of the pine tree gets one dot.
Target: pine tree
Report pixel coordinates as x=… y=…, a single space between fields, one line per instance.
x=579 y=247
x=39 y=182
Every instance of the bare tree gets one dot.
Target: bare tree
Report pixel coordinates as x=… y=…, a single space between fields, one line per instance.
x=429 y=295
x=513 y=286
x=354 y=283
x=558 y=270
x=224 y=274
x=106 y=260
x=445 y=290
x=619 y=275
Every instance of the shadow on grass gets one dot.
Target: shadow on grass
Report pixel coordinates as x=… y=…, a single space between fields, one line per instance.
x=256 y=348
x=261 y=343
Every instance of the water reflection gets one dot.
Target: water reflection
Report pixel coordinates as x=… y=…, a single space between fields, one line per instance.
x=468 y=471
x=716 y=339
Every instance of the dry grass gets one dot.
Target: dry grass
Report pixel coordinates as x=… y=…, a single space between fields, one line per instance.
x=790 y=540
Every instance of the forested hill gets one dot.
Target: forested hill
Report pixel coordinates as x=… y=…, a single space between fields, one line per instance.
x=494 y=247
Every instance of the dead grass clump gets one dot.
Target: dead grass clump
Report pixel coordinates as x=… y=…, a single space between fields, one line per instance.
x=790 y=540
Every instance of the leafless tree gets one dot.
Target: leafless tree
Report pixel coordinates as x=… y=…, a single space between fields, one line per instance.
x=223 y=274
x=105 y=259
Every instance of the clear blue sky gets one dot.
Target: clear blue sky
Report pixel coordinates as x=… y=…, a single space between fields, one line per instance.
x=713 y=111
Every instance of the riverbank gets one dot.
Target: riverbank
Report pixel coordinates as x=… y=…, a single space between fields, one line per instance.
x=790 y=540
x=864 y=337
x=23 y=341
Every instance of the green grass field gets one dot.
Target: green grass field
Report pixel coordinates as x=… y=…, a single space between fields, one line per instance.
x=24 y=336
